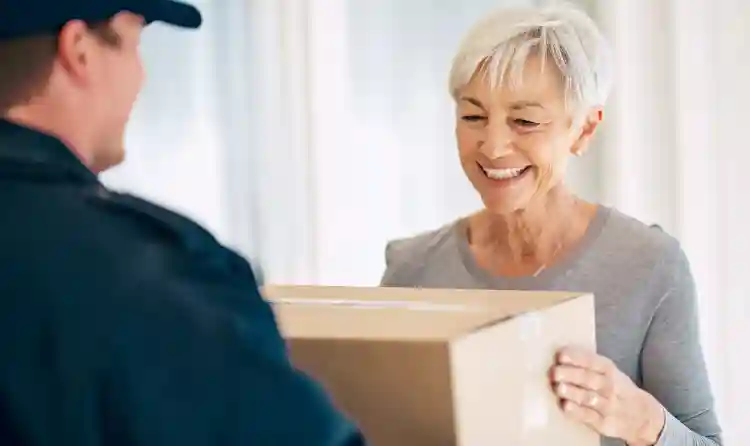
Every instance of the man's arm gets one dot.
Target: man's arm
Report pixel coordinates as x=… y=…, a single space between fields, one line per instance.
x=202 y=362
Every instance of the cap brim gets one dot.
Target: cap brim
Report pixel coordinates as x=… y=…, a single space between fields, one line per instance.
x=175 y=13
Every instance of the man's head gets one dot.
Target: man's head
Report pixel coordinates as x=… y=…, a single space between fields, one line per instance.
x=72 y=68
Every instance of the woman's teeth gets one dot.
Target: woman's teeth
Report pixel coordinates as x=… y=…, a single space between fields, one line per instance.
x=503 y=174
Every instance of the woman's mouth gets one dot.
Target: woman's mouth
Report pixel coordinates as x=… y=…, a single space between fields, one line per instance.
x=505 y=175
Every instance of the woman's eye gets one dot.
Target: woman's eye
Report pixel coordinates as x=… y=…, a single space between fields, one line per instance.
x=525 y=123
x=473 y=118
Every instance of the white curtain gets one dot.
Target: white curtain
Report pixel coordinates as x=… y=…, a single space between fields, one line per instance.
x=307 y=133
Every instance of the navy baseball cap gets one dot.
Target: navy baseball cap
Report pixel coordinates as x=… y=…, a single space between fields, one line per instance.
x=22 y=18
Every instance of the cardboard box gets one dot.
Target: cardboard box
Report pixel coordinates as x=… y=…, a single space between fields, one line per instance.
x=419 y=367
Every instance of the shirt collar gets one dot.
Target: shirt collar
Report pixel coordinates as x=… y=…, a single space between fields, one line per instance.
x=23 y=145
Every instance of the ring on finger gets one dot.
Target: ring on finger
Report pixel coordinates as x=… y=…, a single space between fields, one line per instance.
x=593 y=400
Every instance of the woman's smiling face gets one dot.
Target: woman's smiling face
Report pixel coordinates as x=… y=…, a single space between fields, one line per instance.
x=515 y=140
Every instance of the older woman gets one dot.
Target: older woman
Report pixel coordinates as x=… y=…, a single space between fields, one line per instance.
x=529 y=87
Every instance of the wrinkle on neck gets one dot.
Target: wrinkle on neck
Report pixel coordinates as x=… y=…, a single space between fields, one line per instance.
x=535 y=234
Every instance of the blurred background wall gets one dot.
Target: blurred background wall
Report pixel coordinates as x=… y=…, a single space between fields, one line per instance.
x=306 y=133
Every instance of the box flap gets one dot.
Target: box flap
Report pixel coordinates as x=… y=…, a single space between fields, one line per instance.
x=379 y=313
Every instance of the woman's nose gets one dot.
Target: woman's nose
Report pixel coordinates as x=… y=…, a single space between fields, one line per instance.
x=499 y=142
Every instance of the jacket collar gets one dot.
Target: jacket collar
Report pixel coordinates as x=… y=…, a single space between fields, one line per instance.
x=27 y=148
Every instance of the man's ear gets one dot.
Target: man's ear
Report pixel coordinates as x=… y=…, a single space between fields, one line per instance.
x=74 y=48
x=590 y=123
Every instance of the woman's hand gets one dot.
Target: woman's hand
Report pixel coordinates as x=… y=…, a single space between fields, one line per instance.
x=594 y=391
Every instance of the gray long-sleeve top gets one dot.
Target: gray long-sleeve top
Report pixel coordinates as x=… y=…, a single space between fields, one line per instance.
x=646 y=309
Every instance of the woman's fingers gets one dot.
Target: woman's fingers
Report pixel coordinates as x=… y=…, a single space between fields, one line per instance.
x=584 y=414
x=582 y=378
x=580 y=396
x=585 y=359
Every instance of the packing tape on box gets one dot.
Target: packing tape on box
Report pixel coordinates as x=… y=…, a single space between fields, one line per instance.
x=536 y=401
x=378 y=304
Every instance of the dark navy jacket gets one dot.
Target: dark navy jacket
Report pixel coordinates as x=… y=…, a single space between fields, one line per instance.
x=122 y=323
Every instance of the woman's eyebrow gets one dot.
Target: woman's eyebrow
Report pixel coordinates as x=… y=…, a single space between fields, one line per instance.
x=473 y=101
x=525 y=104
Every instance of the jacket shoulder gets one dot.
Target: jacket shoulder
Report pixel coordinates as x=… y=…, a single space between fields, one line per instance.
x=94 y=241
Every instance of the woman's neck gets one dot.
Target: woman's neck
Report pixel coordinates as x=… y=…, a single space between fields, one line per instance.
x=527 y=241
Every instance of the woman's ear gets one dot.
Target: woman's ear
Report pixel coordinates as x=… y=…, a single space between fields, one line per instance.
x=590 y=123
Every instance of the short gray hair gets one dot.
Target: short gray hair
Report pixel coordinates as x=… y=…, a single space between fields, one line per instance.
x=502 y=42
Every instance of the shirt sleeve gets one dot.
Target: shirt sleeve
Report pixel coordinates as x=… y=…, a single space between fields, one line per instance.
x=672 y=361
x=199 y=362
x=390 y=275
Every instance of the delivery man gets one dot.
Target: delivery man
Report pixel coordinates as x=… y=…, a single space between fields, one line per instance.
x=121 y=323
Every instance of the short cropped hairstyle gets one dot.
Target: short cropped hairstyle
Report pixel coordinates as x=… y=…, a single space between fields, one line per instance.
x=27 y=64
x=499 y=46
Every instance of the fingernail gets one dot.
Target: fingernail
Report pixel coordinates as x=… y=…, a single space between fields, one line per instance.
x=562 y=389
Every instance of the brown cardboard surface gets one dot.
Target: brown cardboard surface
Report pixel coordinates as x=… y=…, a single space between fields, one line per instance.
x=419 y=367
